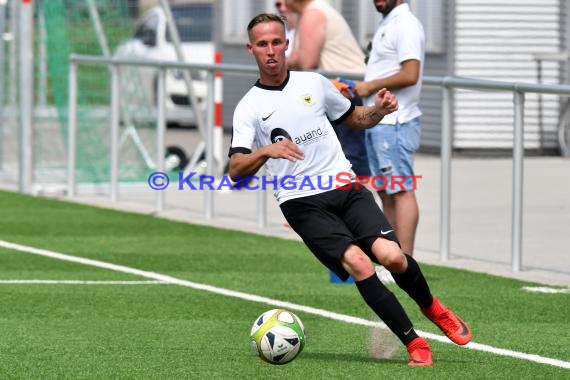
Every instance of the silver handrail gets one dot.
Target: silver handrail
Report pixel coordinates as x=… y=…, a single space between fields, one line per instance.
x=447 y=84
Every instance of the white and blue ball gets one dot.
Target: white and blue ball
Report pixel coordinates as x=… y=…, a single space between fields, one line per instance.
x=278 y=336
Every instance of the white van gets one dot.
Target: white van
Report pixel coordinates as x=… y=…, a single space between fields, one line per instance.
x=152 y=41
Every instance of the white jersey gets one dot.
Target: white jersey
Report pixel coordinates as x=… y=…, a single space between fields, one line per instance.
x=301 y=109
x=399 y=37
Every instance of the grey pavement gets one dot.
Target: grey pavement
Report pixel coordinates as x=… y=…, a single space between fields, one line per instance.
x=481 y=203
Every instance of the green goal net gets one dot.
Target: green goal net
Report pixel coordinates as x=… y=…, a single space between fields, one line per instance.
x=85 y=27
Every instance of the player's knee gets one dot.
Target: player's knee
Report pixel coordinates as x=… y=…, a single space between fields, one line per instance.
x=389 y=255
x=357 y=264
x=396 y=262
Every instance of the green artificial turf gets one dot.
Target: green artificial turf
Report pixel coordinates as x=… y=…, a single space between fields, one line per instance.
x=166 y=331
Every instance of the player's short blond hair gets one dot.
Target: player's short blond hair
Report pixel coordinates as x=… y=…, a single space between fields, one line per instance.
x=265 y=17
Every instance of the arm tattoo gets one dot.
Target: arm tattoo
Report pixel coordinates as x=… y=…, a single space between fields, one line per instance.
x=369 y=116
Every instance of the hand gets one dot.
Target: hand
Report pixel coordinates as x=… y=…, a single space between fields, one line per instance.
x=385 y=102
x=286 y=149
x=361 y=89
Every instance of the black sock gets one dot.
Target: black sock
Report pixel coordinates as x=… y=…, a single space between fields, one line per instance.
x=413 y=282
x=387 y=307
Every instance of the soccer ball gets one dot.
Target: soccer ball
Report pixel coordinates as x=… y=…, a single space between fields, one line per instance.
x=277 y=336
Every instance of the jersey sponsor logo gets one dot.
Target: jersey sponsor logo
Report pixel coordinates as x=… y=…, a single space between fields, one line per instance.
x=279 y=134
x=311 y=136
x=267 y=117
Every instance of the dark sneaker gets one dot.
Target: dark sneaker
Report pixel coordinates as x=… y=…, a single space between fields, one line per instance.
x=420 y=353
x=451 y=325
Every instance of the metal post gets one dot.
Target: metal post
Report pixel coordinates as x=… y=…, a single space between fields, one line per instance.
x=14 y=8
x=115 y=70
x=195 y=158
x=72 y=129
x=25 y=77
x=540 y=107
x=43 y=81
x=261 y=203
x=94 y=14
x=209 y=194
x=160 y=131
x=518 y=155
x=446 y=146
x=2 y=28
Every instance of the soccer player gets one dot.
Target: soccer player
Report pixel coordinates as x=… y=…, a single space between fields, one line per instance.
x=287 y=115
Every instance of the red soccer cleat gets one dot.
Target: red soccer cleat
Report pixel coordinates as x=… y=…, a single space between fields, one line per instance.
x=451 y=325
x=420 y=353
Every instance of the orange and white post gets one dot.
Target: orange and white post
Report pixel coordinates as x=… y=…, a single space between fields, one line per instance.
x=218 y=128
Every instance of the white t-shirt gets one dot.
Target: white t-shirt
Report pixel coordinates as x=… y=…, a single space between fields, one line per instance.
x=340 y=51
x=399 y=37
x=290 y=35
x=301 y=109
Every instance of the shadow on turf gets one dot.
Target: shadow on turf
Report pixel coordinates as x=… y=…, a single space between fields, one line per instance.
x=328 y=356
x=355 y=358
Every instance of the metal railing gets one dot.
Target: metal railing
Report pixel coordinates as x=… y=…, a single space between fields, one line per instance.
x=518 y=90
x=447 y=84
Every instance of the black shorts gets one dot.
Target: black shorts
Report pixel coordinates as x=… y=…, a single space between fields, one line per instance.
x=329 y=222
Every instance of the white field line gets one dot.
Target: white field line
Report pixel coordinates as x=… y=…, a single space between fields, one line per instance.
x=545 y=289
x=78 y=282
x=273 y=302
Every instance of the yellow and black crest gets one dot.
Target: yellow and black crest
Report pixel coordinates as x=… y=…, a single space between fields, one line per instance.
x=307 y=99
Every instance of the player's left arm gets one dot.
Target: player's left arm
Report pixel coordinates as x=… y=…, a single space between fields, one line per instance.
x=364 y=117
x=408 y=75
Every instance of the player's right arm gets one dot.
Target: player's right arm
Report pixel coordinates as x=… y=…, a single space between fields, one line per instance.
x=244 y=160
x=246 y=164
